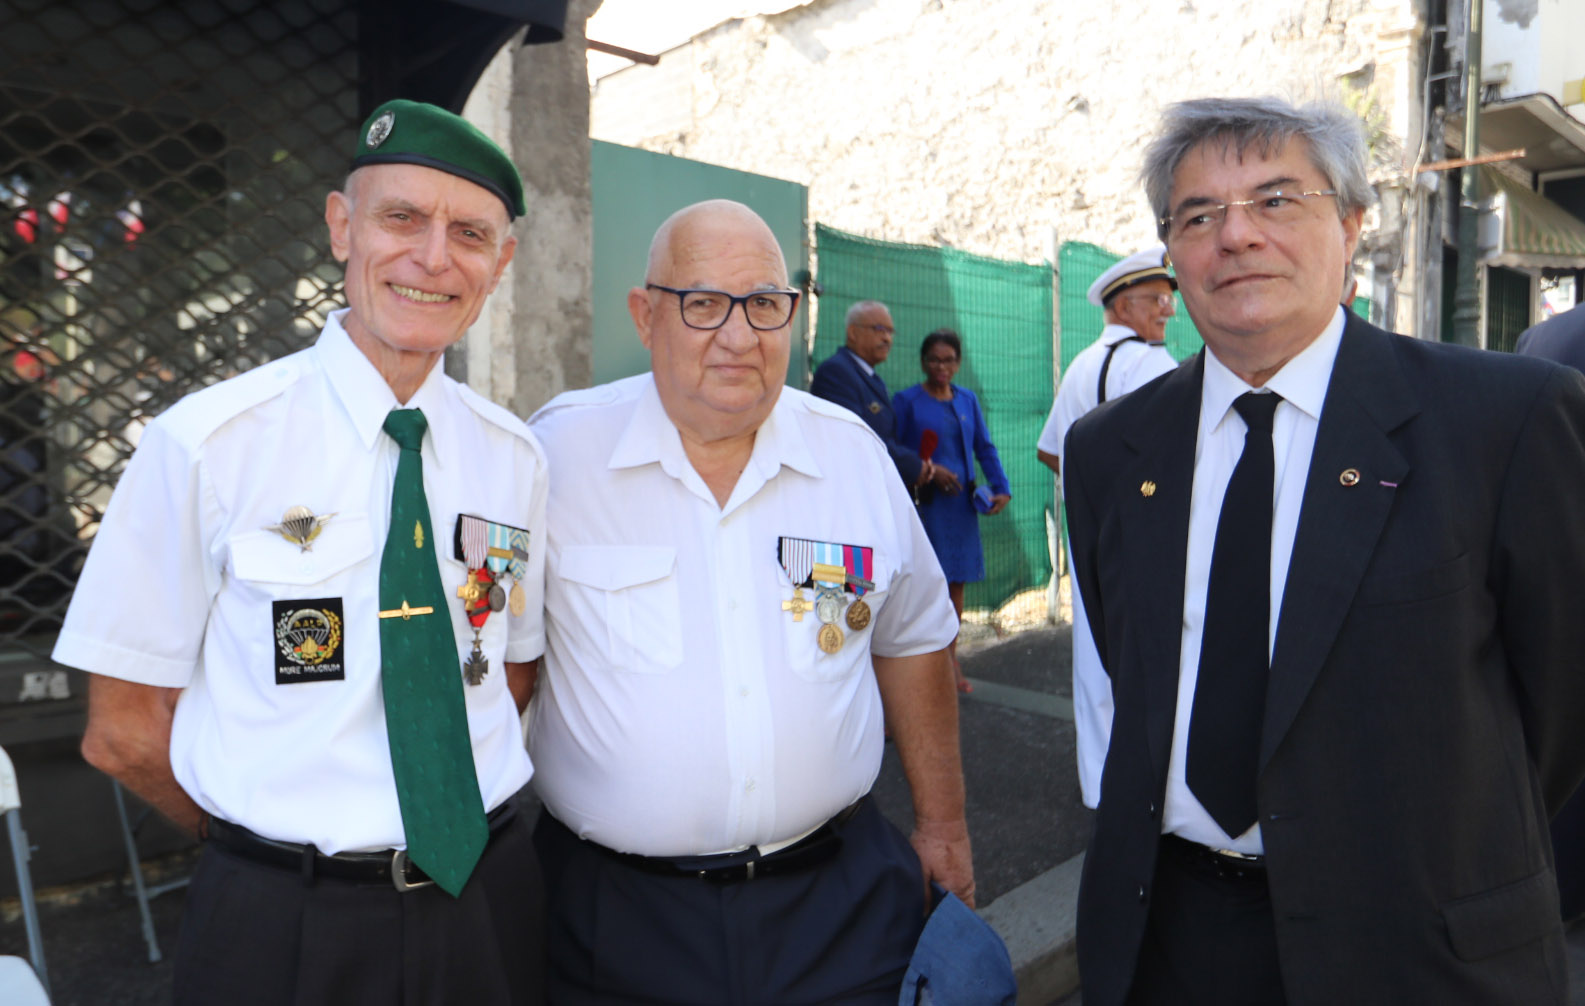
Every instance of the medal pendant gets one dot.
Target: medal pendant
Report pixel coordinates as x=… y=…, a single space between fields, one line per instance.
x=518 y=599
x=858 y=615
x=797 y=604
x=828 y=606
x=497 y=597
x=475 y=667
x=830 y=638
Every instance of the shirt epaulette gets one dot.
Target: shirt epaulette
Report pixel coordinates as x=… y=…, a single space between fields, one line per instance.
x=496 y=415
x=601 y=394
x=821 y=407
x=196 y=417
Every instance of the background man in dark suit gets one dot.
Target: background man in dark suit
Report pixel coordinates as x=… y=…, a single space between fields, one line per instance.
x=848 y=378
x=1332 y=574
x=1561 y=338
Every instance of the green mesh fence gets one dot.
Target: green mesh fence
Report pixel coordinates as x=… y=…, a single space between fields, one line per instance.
x=1002 y=311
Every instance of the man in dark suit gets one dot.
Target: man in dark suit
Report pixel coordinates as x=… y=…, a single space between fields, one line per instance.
x=1561 y=338
x=848 y=378
x=1332 y=573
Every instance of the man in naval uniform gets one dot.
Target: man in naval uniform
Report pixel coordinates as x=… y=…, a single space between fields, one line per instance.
x=308 y=614
x=738 y=592
x=1137 y=296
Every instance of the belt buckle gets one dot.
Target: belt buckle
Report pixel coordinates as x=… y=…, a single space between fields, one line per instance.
x=399 y=879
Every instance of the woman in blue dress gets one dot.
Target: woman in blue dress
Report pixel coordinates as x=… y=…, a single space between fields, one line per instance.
x=946 y=505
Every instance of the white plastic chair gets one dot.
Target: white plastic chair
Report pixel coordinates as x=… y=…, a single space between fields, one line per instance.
x=19 y=985
x=11 y=810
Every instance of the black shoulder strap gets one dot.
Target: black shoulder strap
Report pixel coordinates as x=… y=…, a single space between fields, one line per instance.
x=1100 y=387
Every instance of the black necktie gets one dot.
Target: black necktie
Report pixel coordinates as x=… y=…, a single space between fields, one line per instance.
x=1230 y=694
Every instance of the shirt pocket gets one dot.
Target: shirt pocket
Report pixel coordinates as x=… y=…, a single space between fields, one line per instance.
x=279 y=568
x=635 y=588
x=802 y=638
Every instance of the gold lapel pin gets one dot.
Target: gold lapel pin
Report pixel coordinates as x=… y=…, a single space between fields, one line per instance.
x=1349 y=477
x=1147 y=488
x=300 y=526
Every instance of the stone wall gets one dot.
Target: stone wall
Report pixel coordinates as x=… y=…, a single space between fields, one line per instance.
x=995 y=126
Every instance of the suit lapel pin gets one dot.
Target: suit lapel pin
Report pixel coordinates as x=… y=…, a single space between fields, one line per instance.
x=300 y=526
x=1350 y=477
x=875 y=407
x=1147 y=489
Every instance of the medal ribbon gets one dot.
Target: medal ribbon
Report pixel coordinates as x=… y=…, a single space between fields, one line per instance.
x=797 y=558
x=859 y=561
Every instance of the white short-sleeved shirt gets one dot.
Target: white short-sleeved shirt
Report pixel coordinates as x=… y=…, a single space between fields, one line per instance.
x=681 y=709
x=184 y=587
x=1133 y=364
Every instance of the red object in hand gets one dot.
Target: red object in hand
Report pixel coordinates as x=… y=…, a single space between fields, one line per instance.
x=927 y=444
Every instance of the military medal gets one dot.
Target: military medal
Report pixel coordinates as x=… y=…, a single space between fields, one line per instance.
x=830 y=638
x=518 y=600
x=858 y=561
x=797 y=558
x=299 y=526
x=828 y=606
x=477 y=594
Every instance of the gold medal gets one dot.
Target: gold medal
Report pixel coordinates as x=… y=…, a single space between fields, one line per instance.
x=797 y=604
x=830 y=638
x=518 y=599
x=858 y=615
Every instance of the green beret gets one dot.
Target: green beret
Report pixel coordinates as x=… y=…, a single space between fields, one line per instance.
x=412 y=132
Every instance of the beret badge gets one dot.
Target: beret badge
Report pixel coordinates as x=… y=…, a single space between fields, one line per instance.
x=379 y=129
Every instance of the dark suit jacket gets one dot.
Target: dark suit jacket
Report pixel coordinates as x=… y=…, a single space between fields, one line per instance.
x=1423 y=712
x=1561 y=338
x=840 y=379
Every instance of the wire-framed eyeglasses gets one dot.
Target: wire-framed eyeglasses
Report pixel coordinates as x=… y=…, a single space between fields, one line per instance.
x=709 y=309
x=1197 y=218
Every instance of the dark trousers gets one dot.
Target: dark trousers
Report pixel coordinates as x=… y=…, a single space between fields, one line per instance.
x=841 y=932
x=1210 y=940
x=259 y=935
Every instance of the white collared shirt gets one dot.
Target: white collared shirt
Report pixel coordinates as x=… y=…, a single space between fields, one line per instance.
x=864 y=364
x=1135 y=363
x=184 y=585
x=681 y=709
x=1302 y=383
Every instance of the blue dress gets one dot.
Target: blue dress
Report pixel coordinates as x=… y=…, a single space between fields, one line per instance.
x=951 y=522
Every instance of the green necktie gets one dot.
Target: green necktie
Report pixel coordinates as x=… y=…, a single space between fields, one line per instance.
x=425 y=716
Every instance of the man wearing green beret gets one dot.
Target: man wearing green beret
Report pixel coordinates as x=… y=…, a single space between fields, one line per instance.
x=308 y=615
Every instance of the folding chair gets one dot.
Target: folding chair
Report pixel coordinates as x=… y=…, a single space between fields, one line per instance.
x=141 y=890
x=11 y=810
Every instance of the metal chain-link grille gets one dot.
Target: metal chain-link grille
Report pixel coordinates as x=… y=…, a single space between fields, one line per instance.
x=162 y=176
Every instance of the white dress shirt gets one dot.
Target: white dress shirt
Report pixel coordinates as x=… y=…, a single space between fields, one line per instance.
x=1302 y=383
x=1134 y=364
x=182 y=584
x=682 y=710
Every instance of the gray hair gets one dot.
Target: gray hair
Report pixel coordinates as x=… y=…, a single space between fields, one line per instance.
x=1334 y=135
x=859 y=308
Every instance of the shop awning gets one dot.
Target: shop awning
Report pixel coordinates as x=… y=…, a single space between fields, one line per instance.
x=1532 y=232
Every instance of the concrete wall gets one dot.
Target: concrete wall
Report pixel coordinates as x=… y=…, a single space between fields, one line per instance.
x=534 y=337
x=1535 y=44
x=988 y=125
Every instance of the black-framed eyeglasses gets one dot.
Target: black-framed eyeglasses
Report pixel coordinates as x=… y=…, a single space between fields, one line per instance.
x=1273 y=207
x=709 y=309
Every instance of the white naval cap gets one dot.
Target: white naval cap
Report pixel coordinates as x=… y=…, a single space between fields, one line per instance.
x=1152 y=263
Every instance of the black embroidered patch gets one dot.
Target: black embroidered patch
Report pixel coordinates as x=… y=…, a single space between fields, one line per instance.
x=309 y=641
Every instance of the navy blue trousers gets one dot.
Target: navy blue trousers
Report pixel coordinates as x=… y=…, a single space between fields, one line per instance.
x=837 y=934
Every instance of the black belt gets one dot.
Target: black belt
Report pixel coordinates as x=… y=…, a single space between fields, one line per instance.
x=734 y=867
x=388 y=866
x=1223 y=863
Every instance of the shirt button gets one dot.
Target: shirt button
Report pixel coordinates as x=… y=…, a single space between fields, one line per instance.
x=731 y=604
x=743 y=692
x=748 y=787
